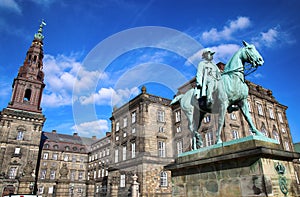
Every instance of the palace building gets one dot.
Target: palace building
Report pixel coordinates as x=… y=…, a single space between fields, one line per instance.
x=146 y=135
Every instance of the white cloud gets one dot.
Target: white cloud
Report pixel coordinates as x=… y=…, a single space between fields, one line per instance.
x=223 y=53
x=11 y=5
x=109 y=96
x=61 y=74
x=225 y=34
x=92 y=128
x=268 y=38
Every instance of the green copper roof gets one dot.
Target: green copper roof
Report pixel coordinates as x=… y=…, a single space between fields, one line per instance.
x=39 y=34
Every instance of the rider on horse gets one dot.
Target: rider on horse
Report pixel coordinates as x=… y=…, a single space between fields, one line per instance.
x=207 y=77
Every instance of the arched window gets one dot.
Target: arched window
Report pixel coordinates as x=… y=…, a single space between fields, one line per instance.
x=55 y=147
x=20 y=135
x=235 y=134
x=263 y=130
x=27 y=95
x=276 y=136
x=74 y=148
x=67 y=148
x=46 y=146
x=163 y=179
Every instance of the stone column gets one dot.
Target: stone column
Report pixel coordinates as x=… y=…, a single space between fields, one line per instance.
x=135 y=186
x=114 y=187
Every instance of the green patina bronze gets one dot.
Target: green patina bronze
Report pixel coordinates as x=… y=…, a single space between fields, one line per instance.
x=219 y=92
x=39 y=34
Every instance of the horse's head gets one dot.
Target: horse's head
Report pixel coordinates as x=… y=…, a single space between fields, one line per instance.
x=251 y=55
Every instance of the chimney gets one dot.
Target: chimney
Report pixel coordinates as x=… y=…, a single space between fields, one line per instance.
x=53 y=131
x=94 y=137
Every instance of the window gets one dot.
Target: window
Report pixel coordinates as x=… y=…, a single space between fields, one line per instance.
x=125 y=122
x=66 y=157
x=50 y=190
x=117 y=138
x=179 y=147
x=233 y=116
x=41 y=189
x=52 y=174
x=283 y=130
x=287 y=146
x=178 y=129
x=161 y=129
x=72 y=175
x=20 y=135
x=27 y=95
x=133 y=150
x=259 y=109
x=124 y=134
x=235 y=135
x=177 y=116
x=107 y=151
x=80 y=175
x=249 y=106
x=124 y=153
x=116 y=155
x=55 y=147
x=17 y=150
x=43 y=173
x=207 y=119
x=264 y=131
x=12 y=173
x=74 y=158
x=163 y=179
x=117 y=126
x=161 y=149
x=45 y=155
x=46 y=146
x=133 y=130
x=133 y=117
x=122 y=180
x=209 y=138
x=160 y=116
x=276 y=136
x=67 y=148
x=271 y=113
x=280 y=117
x=54 y=156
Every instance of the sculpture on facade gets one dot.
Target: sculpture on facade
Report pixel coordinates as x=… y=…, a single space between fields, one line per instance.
x=228 y=91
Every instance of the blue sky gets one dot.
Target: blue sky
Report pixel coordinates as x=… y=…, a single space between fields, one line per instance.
x=109 y=49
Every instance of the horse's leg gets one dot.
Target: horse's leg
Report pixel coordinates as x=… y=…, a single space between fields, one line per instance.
x=245 y=110
x=222 y=112
x=198 y=117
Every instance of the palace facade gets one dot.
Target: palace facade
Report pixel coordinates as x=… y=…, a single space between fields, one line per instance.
x=146 y=135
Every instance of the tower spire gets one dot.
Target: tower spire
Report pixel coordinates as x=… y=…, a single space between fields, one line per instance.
x=39 y=34
x=29 y=84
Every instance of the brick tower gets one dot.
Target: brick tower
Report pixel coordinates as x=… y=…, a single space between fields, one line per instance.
x=21 y=124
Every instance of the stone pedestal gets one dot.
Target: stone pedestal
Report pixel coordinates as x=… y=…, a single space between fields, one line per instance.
x=63 y=188
x=251 y=166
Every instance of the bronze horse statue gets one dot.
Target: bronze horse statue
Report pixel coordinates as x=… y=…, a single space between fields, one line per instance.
x=232 y=91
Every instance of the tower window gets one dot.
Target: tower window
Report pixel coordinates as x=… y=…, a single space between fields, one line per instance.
x=27 y=95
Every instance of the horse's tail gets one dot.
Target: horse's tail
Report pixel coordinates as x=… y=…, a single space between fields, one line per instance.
x=177 y=98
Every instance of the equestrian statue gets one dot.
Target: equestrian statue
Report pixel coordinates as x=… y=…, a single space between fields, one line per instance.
x=217 y=92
